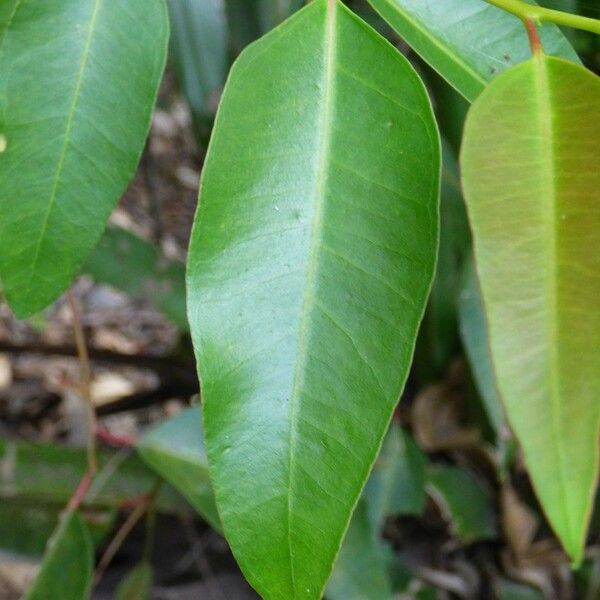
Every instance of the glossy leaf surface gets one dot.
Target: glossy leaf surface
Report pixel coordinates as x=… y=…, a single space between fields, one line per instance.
x=532 y=184
x=78 y=80
x=468 y=42
x=311 y=259
x=66 y=571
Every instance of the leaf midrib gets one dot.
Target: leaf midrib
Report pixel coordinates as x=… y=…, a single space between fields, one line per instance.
x=66 y=141
x=313 y=254
x=544 y=103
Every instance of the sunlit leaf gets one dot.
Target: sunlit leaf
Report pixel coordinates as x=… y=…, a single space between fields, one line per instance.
x=78 y=81
x=310 y=262
x=532 y=182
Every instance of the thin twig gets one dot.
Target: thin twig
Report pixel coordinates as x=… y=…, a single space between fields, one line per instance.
x=124 y=531
x=86 y=383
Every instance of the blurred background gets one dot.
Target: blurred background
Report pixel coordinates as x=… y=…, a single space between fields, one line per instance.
x=456 y=516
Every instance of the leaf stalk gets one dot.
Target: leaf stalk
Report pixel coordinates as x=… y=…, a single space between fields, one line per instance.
x=539 y=14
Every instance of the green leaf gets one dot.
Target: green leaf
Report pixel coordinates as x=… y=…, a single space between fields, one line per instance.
x=361 y=569
x=474 y=334
x=397 y=484
x=48 y=474
x=473 y=45
x=137 y=267
x=137 y=584
x=438 y=339
x=67 y=568
x=532 y=184
x=175 y=450
x=465 y=503
x=311 y=258
x=26 y=524
x=510 y=590
x=199 y=54
x=250 y=19
x=78 y=81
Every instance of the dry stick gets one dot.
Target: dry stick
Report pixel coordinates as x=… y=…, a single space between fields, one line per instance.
x=86 y=381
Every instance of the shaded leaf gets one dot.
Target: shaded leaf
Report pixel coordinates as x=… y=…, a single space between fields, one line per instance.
x=510 y=590
x=26 y=524
x=67 y=568
x=136 y=266
x=310 y=262
x=478 y=42
x=175 y=450
x=361 y=569
x=397 y=483
x=137 y=584
x=48 y=474
x=474 y=335
x=200 y=55
x=465 y=503
x=78 y=80
x=532 y=184
x=438 y=339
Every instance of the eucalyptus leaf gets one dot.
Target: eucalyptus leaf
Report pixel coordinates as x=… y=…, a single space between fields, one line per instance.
x=78 y=82
x=468 y=42
x=311 y=259
x=532 y=184
x=66 y=571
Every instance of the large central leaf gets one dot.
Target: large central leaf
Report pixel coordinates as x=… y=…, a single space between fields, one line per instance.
x=311 y=259
x=532 y=184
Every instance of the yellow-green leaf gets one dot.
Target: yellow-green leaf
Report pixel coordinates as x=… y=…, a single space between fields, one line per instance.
x=532 y=182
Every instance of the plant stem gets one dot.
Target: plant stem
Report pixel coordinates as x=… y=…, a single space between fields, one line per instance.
x=539 y=14
x=86 y=379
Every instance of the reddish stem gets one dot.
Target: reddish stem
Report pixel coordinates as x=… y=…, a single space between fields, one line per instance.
x=125 y=441
x=81 y=491
x=534 y=38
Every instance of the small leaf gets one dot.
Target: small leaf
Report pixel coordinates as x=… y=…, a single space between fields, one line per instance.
x=137 y=585
x=532 y=184
x=78 y=81
x=361 y=569
x=311 y=259
x=135 y=266
x=175 y=450
x=466 y=504
x=67 y=568
x=474 y=334
x=397 y=483
x=478 y=42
